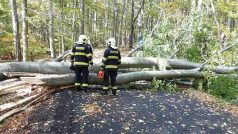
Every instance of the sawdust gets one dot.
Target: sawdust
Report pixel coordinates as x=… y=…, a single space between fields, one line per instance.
x=92 y=109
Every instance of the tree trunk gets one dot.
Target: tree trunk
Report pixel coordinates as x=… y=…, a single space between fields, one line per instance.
x=125 y=29
x=62 y=27
x=140 y=15
x=24 y=31
x=95 y=25
x=15 y=27
x=125 y=78
x=132 y=25
x=82 y=6
x=115 y=21
x=127 y=62
x=74 y=21
x=217 y=23
x=199 y=5
x=121 y=22
x=51 y=29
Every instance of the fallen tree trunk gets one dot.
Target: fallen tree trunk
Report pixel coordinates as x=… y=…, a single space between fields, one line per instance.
x=36 y=67
x=18 y=74
x=134 y=50
x=68 y=79
x=127 y=62
x=62 y=56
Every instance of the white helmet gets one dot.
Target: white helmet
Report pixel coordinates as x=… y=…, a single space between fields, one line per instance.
x=112 y=43
x=82 y=39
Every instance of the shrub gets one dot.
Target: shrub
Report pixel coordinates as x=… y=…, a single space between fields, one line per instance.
x=224 y=87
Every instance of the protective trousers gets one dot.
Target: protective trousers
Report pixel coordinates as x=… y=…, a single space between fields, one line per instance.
x=81 y=77
x=110 y=75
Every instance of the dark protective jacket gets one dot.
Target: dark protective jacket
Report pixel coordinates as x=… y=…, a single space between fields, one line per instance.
x=81 y=55
x=90 y=53
x=111 y=59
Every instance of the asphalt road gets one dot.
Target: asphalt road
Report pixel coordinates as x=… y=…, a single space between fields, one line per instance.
x=73 y=112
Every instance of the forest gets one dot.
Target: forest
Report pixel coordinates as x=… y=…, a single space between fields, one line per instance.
x=184 y=50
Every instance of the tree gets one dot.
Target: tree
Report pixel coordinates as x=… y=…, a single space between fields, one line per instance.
x=24 y=31
x=120 y=38
x=132 y=24
x=82 y=7
x=62 y=26
x=15 y=27
x=51 y=29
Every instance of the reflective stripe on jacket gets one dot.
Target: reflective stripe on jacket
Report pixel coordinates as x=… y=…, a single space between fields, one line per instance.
x=111 y=59
x=80 y=55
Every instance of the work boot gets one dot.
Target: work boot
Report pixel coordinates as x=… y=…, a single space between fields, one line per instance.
x=105 y=92
x=78 y=88
x=114 y=92
x=85 y=89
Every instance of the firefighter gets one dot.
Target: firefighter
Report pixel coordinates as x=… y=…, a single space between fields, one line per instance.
x=111 y=60
x=80 y=59
x=90 y=56
x=90 y=52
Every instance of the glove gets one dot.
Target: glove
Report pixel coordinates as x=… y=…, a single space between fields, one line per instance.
x=72 y=66
x=100 y=74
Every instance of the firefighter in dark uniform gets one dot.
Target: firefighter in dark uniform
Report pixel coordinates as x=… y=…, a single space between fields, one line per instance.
x=90 y=52
x=90 y=55
x=111 y=60
x=80 y=59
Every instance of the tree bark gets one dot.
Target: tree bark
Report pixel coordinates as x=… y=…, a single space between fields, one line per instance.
x=140 y=20
x=15 y=26
x=120 y=38
x=62 y=56
x=62 y=27
x=51 y=29
x=125 y=28
x=127 y=62
x=217 y=23
x=82 y=6
x=95 y=24
x=125 y=78
x=199 y=5
x=132 y=25
x=73 y=21
x=24 y=31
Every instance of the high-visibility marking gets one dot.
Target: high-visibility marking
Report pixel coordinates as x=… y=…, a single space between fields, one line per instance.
x=114 y=87
x=77 y=84
x=111 y=66
x=104 y=59
x=81 y=63
x=89 y=55
x=112 y=57
x=84 y=85
x=80 y=48
x=80 y=53
x=105 y=88
x=113 y=52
